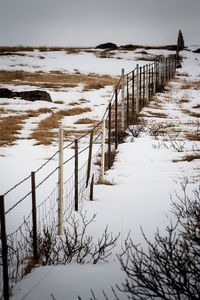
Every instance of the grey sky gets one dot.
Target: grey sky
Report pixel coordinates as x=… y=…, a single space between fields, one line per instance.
x=90 y=22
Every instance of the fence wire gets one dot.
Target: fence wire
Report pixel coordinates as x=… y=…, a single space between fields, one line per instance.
x=123 y=104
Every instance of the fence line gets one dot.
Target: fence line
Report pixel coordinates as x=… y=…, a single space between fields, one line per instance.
x=19 y=250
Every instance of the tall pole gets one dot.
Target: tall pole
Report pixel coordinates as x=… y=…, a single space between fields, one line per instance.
x=60 y=184
x=123 y=106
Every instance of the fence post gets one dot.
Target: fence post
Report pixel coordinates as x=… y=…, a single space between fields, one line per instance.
x=133 y=95
x=123 y=106
x=4 y=250
x=92 y=188
x=137 y=90
x=76 y=175
x=140 y=88
x=154 y=77
x=34 y=216
x=89 y=158
x=109 y=136
x=143 y=98
x=147 y=83
x=60 y=183
x=102 y=153
x=116 y=120
x=127 y=107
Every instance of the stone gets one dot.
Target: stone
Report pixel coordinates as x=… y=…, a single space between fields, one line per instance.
x=35 y=95
x=107 y=46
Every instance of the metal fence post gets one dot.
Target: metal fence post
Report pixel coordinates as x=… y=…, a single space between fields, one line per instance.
x=60 y=184
x=123 y=106
x=4 y=250
x=34 y=216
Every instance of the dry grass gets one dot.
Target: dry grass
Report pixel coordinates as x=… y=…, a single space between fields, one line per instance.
x=56 y=79
x=9 y=127
x=193 y=136
x=191 y=113
x=196 y=106
x=188 y=158
x=59 y=102
x=86 y=121
x=154 y=114
x=44 y=134
x=187 y=85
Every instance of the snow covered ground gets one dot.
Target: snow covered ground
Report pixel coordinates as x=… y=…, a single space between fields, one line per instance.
x=147 y=171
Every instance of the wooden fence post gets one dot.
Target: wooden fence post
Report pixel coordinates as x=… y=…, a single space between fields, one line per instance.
x=109 y=136
x=34 y=217
x=123 y=106
x=89 y=158
x=133 y=95
x=127 y=106
x=92 y=189
x=140 y=88
x=102 y=153
x=143 y=86
x=4 y=250
x=137 y=90
x=154 y=77
x=116 y=120
x=76 y=175
x=60 y=184
x=147 y=83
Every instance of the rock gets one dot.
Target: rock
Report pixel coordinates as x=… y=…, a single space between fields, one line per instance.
x=6 y=93
x=107 y=46
x=196 y=51
x=35 y=95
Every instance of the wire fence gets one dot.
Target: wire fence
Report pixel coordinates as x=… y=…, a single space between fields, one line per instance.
x=86 y=166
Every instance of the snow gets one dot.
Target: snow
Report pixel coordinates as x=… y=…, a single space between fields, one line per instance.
x=144 y=175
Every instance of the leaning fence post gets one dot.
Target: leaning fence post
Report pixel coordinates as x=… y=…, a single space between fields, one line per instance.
x=34 y=216
x=123 y=106
x=76 y=175
x=60 y=184
x=137 y=90
x=102 y=153
x=89 y=158
x=4 y=250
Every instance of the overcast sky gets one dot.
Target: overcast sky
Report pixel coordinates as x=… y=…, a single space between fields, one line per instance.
x=90 y=22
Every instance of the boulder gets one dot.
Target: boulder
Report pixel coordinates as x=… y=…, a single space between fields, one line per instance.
x=197 y=51
x=35 y=95
x=6 y=93
x=107 y=46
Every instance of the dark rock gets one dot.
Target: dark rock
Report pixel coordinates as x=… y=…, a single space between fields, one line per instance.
x=107 y=46
x=196 y=51
x=6 y=93
x=36 y=95
x=129 y=47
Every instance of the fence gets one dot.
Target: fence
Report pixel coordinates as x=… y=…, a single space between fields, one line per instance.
x=19 y=250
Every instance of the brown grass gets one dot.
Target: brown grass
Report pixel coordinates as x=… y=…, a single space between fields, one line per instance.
x=44 y=134
x=86 y=121
x=188 y=158
x=195 y=85
x=196 y=106
x=191 y=113
x=157 y=114
x=193 y=136
x=9 y=127
x=56 y=79
x=59 y=102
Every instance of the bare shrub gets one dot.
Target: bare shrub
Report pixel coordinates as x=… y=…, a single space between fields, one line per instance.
x=170 y=267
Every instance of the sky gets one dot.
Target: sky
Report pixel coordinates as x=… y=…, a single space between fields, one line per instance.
x=91 y=22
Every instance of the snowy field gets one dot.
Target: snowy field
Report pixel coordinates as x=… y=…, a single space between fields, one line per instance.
x=146 y=174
